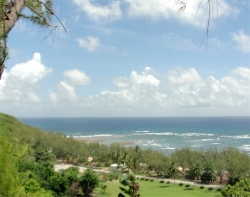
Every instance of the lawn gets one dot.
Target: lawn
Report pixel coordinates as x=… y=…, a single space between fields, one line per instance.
x=157 y=189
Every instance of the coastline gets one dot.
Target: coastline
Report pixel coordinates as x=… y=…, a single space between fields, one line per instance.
x=103 y=140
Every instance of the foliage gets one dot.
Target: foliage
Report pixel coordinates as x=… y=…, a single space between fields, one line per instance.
x=32 y=186
x=10 y=154
x=33 y=189
x=103 y=188
x=236 y=163
x=241 y=188
x=41 y=13
x=37 y=151
x=88 y=181
x=129 y=181
x=208 y=175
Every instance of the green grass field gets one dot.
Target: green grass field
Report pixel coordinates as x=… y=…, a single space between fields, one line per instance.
x=157 y=189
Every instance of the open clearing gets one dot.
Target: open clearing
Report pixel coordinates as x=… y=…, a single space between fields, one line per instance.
x=157 y=189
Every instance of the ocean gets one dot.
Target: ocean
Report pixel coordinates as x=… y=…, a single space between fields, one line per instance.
x=164 y=134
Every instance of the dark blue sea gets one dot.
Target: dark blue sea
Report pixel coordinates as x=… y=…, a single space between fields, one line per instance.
x=165 y=134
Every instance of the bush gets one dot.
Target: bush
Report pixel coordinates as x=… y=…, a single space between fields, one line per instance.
x=152 y=180
x=161 y=181
x=146 y=179
x=180 y=184
x=187 y=185
x=168 y=182
x=142 y=178
x=201 y=187
x=210 y=188
x=88 y=181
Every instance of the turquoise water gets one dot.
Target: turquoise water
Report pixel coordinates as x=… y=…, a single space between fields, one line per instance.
x=166 y=134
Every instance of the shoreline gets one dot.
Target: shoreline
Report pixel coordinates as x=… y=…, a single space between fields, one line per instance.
x=102 y=140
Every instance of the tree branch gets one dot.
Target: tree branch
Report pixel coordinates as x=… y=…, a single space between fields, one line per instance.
x=52 y=13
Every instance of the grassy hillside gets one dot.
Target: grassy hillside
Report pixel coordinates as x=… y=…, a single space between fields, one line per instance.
x=15 y=129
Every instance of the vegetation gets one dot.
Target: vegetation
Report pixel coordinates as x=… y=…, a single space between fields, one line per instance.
x=156 y=189
x=41 y=14
x=88 y=181
x=241 y=188
x=129 y=181
x=28 y=155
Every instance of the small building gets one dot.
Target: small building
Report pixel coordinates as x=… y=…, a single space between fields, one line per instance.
x=114 y=167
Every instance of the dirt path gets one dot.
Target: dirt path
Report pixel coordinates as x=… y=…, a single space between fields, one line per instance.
x=58 y=167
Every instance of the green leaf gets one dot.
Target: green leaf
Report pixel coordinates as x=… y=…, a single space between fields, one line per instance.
x=123 y=189
x=131 y=176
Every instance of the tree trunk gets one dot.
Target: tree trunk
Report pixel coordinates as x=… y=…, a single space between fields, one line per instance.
x=12 y=15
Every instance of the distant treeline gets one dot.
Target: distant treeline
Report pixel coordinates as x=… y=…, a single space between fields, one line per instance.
x=35 y=151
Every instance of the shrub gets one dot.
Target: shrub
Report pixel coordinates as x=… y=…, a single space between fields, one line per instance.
x=210 y=188
x=180 y=184
x=142 y=178
x=88 y=181
x=201 y=187
x=146 y=179
x=161 y=181
x=152 y=180
x=168 y=182
x=187 y=185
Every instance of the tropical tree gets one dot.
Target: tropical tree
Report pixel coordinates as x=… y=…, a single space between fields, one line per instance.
x=88 y=181
x=11 y=152
x=185 y=157
x=41 y=13
x=173 y=170
x=241 y=188
x=208 y=174
x=237 y=163
x=196 y=171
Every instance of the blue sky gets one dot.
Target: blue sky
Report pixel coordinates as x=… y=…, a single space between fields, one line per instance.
x=131 y=58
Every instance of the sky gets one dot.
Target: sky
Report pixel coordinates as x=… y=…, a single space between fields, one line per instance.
x=131 y=58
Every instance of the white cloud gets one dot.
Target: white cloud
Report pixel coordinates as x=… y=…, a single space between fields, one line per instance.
x=178 y=88
x=53 y=97
x=66 y=92
x=90 y=43
x=179 y=76
x=219 y=9
x=77 y=77
x=145 y=94
x=243 y=41
x=98 y=12
x=156 y=9
x=242 y=72
x=19 y=85
x=31 y=71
